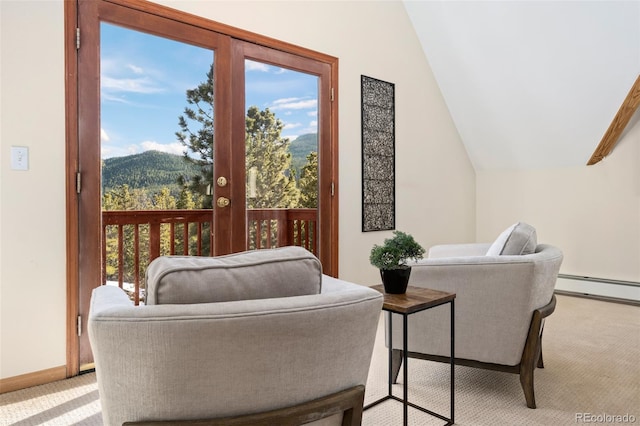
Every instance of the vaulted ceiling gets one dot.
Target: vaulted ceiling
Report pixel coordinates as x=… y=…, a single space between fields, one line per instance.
x=531 y=84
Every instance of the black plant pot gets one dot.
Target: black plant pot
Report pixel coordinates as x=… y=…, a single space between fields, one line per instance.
x=395 y=281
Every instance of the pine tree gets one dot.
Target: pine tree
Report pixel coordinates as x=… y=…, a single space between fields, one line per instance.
x=267 y=153
x=163 y=200
x=308 y=182
x=199 y=141
x=268 y=156
x=186 y=200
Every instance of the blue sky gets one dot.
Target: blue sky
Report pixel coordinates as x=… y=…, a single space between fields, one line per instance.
x=144 y=78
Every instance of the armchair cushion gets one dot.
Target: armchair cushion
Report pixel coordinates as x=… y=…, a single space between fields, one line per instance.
x=518 y=239
x=257 y=274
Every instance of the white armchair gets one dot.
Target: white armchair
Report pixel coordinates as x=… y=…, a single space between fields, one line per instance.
x=259 y=337
x=500 y=306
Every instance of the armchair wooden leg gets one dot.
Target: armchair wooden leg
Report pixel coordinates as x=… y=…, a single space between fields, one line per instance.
x=526 y=381
x=396 y=363
x=532 y=354
x=540 y=361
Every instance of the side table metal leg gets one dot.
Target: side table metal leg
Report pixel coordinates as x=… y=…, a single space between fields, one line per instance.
x=452 y=360
x=405 y=371
x=390 y=328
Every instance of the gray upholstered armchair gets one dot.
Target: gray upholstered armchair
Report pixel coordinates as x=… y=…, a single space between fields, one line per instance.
x=262 y=337
x=503 y=292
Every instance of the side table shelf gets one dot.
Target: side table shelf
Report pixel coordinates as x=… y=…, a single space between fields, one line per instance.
x=416 y=299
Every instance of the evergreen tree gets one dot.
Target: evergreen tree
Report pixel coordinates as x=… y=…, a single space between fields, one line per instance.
x=163 y=200
x=199 y=137
x=186 y=200
x=267 y=153
x=124 y=198
x=308 y=182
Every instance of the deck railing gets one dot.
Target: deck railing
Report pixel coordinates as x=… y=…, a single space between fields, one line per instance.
x=132 y=239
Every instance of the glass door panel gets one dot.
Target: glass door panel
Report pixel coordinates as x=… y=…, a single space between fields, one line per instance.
x=156 y=149
x=163 y=157
x=281 y=156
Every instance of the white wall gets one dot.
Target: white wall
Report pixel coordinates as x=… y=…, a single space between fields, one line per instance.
x=435 y=180
x=32 y=203
x=591 y=212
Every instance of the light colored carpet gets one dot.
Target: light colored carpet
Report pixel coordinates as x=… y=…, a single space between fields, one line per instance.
x=591 y=353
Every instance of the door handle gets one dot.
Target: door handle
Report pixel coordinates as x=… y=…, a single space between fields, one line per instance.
x=222 y=202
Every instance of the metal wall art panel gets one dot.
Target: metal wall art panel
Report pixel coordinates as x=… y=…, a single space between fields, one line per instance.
x=378 y=155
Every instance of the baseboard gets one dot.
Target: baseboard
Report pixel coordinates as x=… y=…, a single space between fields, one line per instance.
x=599 y=288
x=24 y=381
x=598 y=297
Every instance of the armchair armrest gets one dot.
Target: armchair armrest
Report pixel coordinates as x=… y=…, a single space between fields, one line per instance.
x=111 y=298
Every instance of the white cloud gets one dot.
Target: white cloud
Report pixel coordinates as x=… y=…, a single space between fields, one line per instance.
x=118 y=75
x=104 y=137
x=171 y=148
x=289 y=126
x=250 y=65
x=284 y=101
x=108 y=97
x=135 y=69
x=106 y=152
x=294 y=103
x=312 y=113
x=256 y=66
x=110 y=151
x=135 y=85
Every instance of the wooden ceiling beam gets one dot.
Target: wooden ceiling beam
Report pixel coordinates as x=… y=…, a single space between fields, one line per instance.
x=618 y=124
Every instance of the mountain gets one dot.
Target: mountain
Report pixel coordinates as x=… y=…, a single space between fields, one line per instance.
x=154 y=170
x=301 y=147
x=151 y=170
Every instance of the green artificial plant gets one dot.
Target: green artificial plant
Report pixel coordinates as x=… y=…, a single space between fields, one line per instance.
x=395 y=252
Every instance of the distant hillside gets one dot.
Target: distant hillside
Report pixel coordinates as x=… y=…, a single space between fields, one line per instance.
x=151 y=170
x=301 y=147
x=154 y=170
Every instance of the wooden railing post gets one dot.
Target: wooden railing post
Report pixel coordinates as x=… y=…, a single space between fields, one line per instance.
x=154 y=240
x=288 y=221
x=283 y=230
x=104 y=254
x=120 y=256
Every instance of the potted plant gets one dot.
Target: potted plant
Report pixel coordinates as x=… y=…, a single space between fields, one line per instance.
x=391 y=258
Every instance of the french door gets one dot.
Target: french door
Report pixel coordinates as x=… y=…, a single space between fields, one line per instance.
x=250 y=205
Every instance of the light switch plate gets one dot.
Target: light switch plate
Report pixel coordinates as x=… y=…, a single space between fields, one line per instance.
x=19 y=158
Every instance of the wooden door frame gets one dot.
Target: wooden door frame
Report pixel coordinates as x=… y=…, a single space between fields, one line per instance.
x=71 y=166
x=241 y=51
x=329 y=247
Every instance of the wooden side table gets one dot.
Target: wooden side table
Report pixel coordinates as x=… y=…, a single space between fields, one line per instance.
x=416 y=299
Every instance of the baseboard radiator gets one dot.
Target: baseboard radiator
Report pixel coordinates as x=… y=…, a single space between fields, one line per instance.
x=601 y=288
